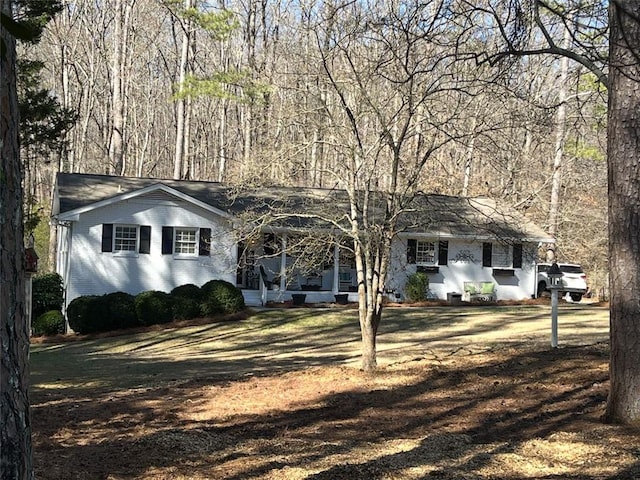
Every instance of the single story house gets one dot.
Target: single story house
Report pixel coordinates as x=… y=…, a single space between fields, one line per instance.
x=136 y=234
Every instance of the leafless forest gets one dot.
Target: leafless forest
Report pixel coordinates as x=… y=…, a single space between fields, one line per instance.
x=387 y=95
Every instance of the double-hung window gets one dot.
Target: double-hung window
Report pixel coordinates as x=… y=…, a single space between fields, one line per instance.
x=502 y=255
x=425 y=253
x=185 y=241
x=126 y=239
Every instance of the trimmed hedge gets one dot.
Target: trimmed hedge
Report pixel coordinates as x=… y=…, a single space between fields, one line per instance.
x=122 y=310
x=49 y=323
x=87 y=314
x=186 y=302
x=186 y=308
x=188 y=290
x=47 y=293
x=220 y=297
x=154 y=306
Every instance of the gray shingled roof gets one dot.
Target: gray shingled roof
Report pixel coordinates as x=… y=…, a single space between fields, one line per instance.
x=309 y=207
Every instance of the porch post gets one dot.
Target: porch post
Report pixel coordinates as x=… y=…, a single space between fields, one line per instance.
x=336 y=268
x=283 y=264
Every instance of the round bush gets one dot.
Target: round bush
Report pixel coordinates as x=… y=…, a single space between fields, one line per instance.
x=122 y=310
x=153 y=307
x=417 y=287
x=47 y=293
x=88 y=314
x=49 y=323
x=188 y=290
x=220 y=297
x=185 y=308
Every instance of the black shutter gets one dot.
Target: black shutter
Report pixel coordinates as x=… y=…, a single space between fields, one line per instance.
x=517 y=255
x=145 y=239
x=167 y=240
x=205 y=242
x=443 y=252
x=268 y=244
x=107 y=237
x=412 y=247
x=487 y=250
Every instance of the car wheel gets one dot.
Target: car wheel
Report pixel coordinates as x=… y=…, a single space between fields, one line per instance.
x=576 y=297
x=542 y=288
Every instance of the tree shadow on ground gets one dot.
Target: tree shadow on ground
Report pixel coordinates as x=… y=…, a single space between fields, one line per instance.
x=439 y=420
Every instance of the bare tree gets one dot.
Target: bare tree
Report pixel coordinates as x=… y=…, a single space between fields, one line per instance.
x=395 y=100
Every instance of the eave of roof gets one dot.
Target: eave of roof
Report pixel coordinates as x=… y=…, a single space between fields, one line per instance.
x=291 y=208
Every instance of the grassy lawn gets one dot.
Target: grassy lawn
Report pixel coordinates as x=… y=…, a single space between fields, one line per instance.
x=462 y=393
x=273 y=340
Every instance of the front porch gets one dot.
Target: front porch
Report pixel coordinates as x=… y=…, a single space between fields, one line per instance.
x=290 y=268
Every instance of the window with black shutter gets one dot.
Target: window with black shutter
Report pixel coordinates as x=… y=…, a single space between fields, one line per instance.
x=167 y=240
x=412 y=246
x=517 y=255
x=269 y=244
x=487 y=250
x=145 y=239
x=205 y=242
x=443 y=252
x=107 y=237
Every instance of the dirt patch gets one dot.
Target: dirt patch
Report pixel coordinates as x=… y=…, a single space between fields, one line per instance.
x=509 y=413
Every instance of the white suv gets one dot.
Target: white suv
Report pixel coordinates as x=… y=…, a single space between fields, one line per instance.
x=574 y=280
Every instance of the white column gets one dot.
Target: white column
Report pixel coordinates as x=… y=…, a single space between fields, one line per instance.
x=336 y=269
x=283 y=264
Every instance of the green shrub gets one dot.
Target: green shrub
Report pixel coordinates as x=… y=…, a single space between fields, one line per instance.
x=153 y=307
x=49 y=323
x=220 y=297
x=122 y=310
x=186 y=308
x=186 y=302
x=47 y=293
x=188 y=290
x=417 y=287
x=88 y=314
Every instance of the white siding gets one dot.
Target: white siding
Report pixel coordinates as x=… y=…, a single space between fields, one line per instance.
x=93 y=272
x=465 y=265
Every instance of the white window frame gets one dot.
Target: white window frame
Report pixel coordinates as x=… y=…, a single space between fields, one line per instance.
x=177 y=242
x=424 y=250
x=501 y=255
x=136 y=241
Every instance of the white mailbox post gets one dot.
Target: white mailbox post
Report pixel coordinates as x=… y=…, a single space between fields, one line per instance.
x=555 y=284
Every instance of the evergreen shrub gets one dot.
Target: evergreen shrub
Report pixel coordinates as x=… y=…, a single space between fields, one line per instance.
x=188 y=290
x=47 y=293
x=88 y=314
x=153 y=307
x=221 y=297
x=417 y=287
x=49 y=323
x=122 y=310
x=186 y=302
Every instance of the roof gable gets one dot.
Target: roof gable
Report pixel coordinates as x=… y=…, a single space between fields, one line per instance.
x=69 y=206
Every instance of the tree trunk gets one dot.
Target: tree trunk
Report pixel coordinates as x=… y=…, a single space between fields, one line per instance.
x=15 y=423
x=368 y=334
x=116 y=139
x=560 y=132
x=623 y=404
